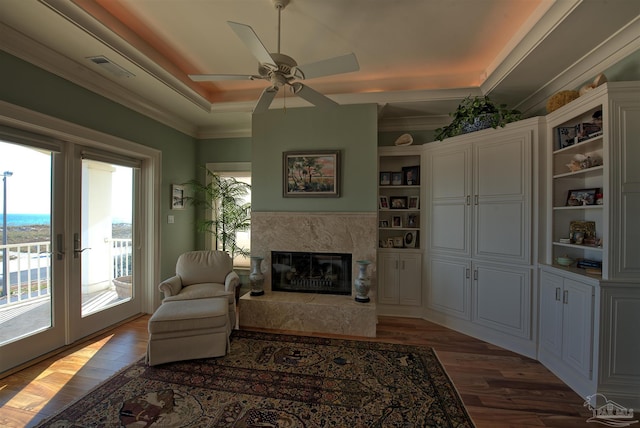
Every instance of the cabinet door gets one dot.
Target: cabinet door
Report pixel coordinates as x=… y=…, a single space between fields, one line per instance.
x=410 y=279
x=577 y=325
x=389 y=291
x=551 y=287
x=449 y=184
x=502 y=298
x=502 y=181
x=448 y=285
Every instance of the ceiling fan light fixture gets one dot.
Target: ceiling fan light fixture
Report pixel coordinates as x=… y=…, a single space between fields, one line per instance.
x=280 y=69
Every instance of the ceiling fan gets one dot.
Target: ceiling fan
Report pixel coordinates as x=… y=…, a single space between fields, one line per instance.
x=281 y=69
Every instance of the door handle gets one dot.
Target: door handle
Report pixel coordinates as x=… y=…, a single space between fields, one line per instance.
x=59 y=247
x=565 y=297
x=76 y=246
x=558 y=294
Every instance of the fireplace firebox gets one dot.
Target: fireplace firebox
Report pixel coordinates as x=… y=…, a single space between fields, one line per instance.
x=303 y=272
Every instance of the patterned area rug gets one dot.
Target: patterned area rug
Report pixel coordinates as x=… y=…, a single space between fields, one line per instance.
x=272 y=380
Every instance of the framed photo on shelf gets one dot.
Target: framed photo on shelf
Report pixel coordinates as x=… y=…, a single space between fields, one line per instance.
x=582 y=232
x=566 y=136
x=398 y=241
x=398 y=202
x=579 y=197
x=411 y=175
x=385 y=178
x=412 y=220
x=383 y=202
x=414 y=202
x=410 y=239
x=384 y=223
x=396 y=221
x=397 y=178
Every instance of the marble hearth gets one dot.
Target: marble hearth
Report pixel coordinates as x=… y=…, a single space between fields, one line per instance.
x=353 y=233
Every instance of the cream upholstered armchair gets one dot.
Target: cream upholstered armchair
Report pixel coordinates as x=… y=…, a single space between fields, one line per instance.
x=202 y=275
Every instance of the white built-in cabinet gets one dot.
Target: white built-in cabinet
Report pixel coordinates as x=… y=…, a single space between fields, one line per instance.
x=589 y=317
x=400 y=232
x=401 y=276
x=479 y=197
x=566 y=323
x=496 y=214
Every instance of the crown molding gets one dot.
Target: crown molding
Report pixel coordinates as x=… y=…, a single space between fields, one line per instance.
x=212 y=133
x=531 y=35
x=27 y=49
x=84 y=21
x=613 y=50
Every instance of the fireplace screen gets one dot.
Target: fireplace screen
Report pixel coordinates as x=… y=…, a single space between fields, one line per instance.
x=325 y=273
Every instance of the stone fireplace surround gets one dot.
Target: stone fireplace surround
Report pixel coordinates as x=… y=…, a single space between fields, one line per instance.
x=330 y=232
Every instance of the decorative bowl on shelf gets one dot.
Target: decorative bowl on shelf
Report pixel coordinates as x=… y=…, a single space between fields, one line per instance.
x=564 y=261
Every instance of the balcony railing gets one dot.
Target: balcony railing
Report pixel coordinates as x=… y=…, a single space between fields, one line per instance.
x=29 y=269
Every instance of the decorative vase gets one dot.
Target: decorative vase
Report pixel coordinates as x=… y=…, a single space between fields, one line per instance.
x=256 y=278
x=362 y=282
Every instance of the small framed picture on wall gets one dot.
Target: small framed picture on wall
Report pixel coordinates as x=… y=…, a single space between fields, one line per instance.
x=177 y=197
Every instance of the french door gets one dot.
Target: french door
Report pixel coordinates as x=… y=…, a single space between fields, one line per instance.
x=102 y=252
x=84 y=275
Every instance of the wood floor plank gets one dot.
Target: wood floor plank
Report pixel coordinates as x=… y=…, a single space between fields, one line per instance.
x=499 y=388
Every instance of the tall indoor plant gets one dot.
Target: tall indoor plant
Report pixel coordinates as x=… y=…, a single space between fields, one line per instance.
x=223 y=198
x=476 y=113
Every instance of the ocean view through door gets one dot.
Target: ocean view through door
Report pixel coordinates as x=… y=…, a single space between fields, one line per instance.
x=67 y=251
x=30 y=322
x=103 y=276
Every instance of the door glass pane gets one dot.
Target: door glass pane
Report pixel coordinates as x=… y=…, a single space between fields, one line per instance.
x=106 y=241
x=25 y=248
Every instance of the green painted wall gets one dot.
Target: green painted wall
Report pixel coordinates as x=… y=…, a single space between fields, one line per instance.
x=28 y=86
x=224 y=150
x=352 y=129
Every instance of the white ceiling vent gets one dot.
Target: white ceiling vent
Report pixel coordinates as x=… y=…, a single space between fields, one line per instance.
x=110 y=66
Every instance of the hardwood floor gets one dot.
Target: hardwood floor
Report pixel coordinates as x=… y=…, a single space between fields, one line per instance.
x=499 y=388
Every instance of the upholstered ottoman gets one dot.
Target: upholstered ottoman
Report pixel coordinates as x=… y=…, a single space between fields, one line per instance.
x=189 y=329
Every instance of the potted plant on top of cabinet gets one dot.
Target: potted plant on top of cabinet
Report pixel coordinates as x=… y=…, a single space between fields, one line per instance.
x=476 y=113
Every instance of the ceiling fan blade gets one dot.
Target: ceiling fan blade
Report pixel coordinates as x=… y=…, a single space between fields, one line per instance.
x=314 y=97
x=337 y=65
x=265 y=99
x=251 y=40
x=212 y=77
